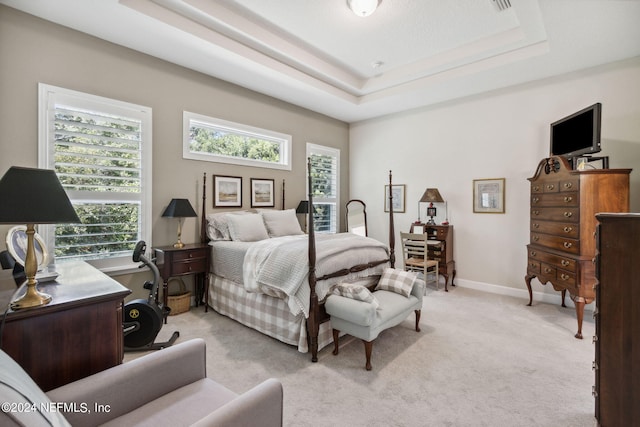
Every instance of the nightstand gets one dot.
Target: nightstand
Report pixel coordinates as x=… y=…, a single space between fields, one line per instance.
x=192 y=259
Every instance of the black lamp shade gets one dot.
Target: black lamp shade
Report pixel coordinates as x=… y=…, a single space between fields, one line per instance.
x=179 y=208
x=303 y=207
x=34 y=196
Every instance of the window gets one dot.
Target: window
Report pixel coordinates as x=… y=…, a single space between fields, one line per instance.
x=325 y=173
x=101 y=151
x=216 y=140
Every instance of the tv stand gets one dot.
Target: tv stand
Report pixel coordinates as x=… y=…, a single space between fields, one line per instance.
x=574 y=161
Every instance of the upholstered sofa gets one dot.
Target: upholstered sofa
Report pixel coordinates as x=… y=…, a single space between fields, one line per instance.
x=165 y=388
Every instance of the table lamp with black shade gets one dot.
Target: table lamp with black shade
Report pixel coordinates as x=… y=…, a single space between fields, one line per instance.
x=33 y=196
x=431 y=195
x=179 y=208
x=303 y=208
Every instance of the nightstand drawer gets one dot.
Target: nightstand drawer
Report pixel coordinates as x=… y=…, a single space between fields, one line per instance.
x=189 y=267
x=189 y=255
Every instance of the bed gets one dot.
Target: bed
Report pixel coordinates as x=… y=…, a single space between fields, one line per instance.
x=270 y=276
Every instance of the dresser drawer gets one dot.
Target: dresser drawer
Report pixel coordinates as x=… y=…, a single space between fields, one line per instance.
x=565 y=229
x=563 y=262
x=556 y=242
x=533 y=267
x=572 y=184
x=555 y=199
x=568 y=214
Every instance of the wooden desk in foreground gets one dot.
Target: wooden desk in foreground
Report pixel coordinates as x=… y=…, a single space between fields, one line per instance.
x=77 y=334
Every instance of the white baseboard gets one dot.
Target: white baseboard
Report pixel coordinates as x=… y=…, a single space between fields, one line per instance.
x=549 y=298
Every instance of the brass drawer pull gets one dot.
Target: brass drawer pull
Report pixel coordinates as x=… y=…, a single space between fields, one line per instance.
x=568 y=199
x=594 y=365
x=564 y=262
x=536 y=212
x=550 y=187
x=568 y=185
x=536 y=225
x=536 y=188
x=533 y=265
x=533 y=253
x=536 y=238
x=595 y=339
x=567 y=244
x=547 y=270
x=568 y=229
x=594 y=393
x=536 y=199
x=565 y=276
x=568 y=214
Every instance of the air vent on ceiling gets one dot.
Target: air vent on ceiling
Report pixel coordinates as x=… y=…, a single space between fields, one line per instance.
x=502 y=4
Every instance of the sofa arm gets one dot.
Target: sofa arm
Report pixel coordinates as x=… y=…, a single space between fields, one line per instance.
x=418 y=288
x=262 y=405
x=130 y=385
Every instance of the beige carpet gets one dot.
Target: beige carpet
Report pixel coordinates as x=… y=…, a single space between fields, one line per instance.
x=480 y=360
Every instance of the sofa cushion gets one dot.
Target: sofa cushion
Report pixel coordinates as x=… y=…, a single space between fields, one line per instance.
x=183 y=406
x=398 y=281
x=24 y=403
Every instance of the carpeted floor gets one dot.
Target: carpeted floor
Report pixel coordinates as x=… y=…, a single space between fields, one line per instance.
x=480 y=360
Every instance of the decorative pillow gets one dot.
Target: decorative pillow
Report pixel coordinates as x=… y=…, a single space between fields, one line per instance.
x=357 y=292
x=281 y=223
x=247 y=228
x=398 y=281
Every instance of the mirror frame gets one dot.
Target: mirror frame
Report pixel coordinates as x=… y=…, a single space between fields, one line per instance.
x=364 y=213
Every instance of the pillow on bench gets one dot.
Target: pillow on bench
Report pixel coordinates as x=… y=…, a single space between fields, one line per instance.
x=356 y=292
x=398 y=281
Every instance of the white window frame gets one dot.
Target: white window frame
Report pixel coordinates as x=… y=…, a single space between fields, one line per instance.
x=283 y=140
x=333 y=152
x=48 y=97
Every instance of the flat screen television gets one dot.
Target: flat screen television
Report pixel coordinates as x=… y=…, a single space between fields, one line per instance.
x=577 y=134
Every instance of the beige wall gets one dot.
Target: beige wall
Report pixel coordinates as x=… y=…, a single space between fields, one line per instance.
x=33 y=50
x=503 y=134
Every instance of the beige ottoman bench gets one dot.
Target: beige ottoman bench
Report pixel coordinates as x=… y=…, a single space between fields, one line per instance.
x=356 y=311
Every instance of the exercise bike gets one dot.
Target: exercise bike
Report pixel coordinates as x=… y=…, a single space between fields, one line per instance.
x=143 y=318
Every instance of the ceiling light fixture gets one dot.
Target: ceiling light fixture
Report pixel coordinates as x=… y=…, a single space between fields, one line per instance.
x=363 y=8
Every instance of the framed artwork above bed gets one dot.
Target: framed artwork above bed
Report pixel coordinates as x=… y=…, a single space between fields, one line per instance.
x=262 y=193
x=227 y=191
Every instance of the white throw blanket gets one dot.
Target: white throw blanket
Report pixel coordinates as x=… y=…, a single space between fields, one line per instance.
x=282 y=264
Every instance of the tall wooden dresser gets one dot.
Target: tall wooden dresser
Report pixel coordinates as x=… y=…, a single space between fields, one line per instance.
x=564 y=203
x=617 y=339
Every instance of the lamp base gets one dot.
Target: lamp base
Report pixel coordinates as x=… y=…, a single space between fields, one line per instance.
x=32 y=298
x=431 y=221
x=178 y=244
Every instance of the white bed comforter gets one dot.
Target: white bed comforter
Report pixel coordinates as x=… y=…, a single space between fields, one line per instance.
x=281 y=264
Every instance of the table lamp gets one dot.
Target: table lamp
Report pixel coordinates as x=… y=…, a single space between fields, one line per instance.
x=33 y=196
x=179 y=208
x=431 y=195
x=303 y=208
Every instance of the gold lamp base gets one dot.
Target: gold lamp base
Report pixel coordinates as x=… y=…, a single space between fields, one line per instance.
x=32 y=298
x=178 y=244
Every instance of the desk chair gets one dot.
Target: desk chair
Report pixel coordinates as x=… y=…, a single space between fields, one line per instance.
x=415 y=255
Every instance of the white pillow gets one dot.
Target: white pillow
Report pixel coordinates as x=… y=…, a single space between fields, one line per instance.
x=218 y=224
x=247 y=228
x=281 y=223
x=398 y=281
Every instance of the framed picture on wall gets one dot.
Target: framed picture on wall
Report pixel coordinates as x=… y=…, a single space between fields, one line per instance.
x=488 y=195
x=227 y=191
x=262 y=193
x=398 y=197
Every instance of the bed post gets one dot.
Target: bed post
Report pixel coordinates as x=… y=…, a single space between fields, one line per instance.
x=392 y=233
x=313 y=325
x=283 y=194
x=203 y=217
